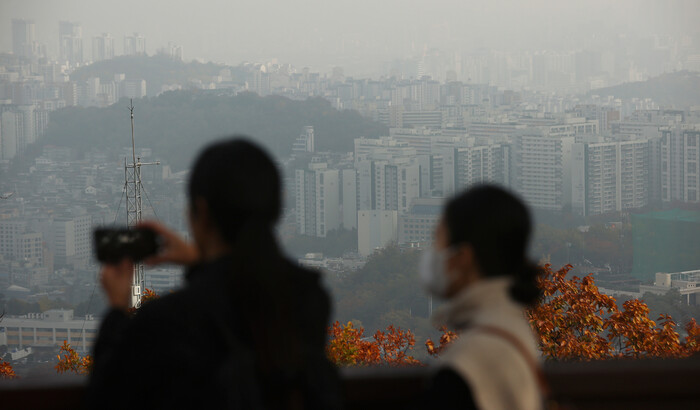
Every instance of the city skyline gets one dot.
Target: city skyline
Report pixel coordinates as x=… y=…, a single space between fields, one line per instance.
x=362 y=38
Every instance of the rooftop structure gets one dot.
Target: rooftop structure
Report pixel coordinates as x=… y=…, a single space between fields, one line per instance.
x=687 y=283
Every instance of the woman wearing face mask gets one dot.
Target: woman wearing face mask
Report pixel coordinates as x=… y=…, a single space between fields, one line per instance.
x=478 y=264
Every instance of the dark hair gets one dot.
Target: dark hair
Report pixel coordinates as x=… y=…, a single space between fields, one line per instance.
x=239 y=183
x=241 y=186
x=497 y=226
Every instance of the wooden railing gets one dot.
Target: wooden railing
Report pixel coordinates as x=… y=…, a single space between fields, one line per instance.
x=637 y=384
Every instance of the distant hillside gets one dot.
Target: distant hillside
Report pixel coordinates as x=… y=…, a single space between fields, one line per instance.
x=674 y=90
x=156 y=70
x=177 y=124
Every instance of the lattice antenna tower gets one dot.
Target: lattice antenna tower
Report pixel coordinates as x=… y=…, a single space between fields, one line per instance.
x=133 y=187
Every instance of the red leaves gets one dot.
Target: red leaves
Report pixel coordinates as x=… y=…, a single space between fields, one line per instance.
x=574 y=321
x=72 y=362
x=348 y=347
x=6 y=371
x=447 y=337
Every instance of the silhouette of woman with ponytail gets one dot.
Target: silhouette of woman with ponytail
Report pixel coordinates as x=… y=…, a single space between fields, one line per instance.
x=478 y=265
x=248 y=329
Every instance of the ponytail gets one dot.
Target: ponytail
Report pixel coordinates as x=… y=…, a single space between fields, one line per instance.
x=524 y=289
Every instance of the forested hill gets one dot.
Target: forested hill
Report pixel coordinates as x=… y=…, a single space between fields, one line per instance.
x=176 y=124
x=157 y=70
x=673 y=90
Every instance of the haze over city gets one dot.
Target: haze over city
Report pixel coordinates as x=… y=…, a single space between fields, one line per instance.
x=361 y=36
x=362 y=180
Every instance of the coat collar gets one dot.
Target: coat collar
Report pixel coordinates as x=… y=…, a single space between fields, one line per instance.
x=485 y=295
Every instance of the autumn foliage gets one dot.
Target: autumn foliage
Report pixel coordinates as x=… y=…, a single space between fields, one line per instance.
x=6 y=371
x=348 y=346
x=447 y=337
x=71 y=361
x=574 y=321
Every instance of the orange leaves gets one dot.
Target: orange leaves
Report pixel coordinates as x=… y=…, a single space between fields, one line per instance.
x=692 y=341
x=348 y=347
x=447 y=337
x=71 y=361
x=569 y=320
x=6 y=371
x=149 y=295
x=574 y=321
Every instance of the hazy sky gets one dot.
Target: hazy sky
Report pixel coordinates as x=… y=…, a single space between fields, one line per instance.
x=323 y=33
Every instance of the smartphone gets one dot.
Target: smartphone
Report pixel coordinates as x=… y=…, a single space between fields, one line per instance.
x=112 y=245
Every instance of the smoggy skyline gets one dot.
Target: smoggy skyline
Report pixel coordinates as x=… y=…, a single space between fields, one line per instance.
x=361 y=34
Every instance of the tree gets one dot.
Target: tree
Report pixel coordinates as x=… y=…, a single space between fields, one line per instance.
x=71 y=361
x=6 y=371
x=446 y=339
x=568 y=320
x=574 y=321
x=348 y=347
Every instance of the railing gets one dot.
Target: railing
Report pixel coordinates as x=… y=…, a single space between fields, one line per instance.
x=638 y=384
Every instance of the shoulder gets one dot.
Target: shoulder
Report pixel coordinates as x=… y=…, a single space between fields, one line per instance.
x=493 y=367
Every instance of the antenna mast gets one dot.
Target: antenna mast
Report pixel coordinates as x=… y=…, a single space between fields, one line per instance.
x=133 y=186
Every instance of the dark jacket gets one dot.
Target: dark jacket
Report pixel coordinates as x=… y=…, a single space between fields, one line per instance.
x=223 y=341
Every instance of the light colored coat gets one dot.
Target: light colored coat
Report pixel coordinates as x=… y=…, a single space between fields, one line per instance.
x=498 y=375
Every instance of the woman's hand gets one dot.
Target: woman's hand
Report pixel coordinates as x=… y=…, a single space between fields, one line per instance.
x=174 y=249
x=116 y=282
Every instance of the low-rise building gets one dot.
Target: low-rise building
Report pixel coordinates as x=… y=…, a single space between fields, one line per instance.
x=50 y=328
x=687 y=283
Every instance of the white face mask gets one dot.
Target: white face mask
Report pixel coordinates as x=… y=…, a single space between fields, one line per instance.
x=433 y=271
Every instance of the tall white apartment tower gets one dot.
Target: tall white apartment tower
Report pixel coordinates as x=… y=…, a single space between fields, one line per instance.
x=70 y=37
x=680 y=168
x=22 y=37
x=317 y=200
x=103 y=47
x=540 y=164
x=610 y=176
x=134 y=45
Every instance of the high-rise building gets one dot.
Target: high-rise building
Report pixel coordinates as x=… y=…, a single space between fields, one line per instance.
x=72 y=240
x=23 y=40
x=457 y=168
x=134 y=45
x=172 y=50
x=540 y=167
x=19 y=243
x=305 y=142
x=317 y=200
x=375 y=230
x=387 y=145
x=12 y=134
x=680 y=156
x=102 y=47
x=388 y=183
x=70 y=37
x=349 y=198
x=134 y=88
x=610 y=176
